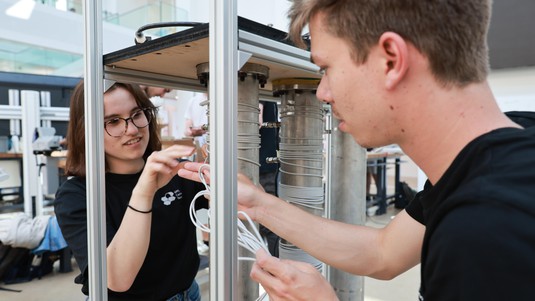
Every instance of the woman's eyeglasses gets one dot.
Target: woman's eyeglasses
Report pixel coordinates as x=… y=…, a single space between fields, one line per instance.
x=117 y=126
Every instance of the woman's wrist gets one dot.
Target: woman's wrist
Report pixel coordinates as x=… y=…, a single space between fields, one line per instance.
x=140 y=211
x=140 y=192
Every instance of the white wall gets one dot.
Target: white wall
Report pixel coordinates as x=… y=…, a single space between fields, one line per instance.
x=514 y=88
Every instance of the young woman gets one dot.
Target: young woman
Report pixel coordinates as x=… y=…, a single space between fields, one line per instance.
x=152 y=251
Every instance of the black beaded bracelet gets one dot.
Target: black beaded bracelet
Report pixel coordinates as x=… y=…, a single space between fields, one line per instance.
x=137 y=210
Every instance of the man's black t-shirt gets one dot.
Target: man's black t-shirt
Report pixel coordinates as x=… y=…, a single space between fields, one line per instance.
x=172 y=260
x=479 y=242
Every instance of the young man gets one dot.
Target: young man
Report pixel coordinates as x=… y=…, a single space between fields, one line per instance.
x=413 y=73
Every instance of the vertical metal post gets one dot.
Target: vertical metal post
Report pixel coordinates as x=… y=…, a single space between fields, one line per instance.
x=45 y=103
x=327 y=170
x=248 y=144
x=94 y=149
x=348 y=204
x=30 y=120
x=223 y=148
x=14 y=124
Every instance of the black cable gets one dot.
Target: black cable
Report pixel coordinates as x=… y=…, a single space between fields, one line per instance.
x=140 y=38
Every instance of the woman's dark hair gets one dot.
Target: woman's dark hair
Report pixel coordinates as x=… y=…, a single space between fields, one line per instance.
x=75 y=165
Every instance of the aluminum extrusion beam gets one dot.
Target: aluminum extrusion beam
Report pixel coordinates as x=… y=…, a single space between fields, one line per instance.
x=94 y=148
x=152 y=79
x=8 y=112
x=223 y=91
x=276 y=52
x=54 y=113
x=30 y=116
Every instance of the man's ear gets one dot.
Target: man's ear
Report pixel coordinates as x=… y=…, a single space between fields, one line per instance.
x=395 y=52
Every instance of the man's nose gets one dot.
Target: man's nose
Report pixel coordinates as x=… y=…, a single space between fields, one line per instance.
x=323 y=92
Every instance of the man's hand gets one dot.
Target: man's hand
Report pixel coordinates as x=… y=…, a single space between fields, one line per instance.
x=248 y=193
x=290 y=280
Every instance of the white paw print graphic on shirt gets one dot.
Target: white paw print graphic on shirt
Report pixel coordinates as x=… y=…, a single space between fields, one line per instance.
x=171 y=196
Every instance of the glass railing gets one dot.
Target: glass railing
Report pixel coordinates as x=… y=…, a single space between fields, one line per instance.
x=134 y=18
x=64 y=5
x=150 y=13
x=25 y=58
x=19 y=57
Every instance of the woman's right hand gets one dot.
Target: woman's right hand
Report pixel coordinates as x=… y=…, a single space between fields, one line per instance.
x=161 y=167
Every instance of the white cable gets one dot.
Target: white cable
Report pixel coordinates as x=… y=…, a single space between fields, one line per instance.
x=291 y=252
x=262 y=297
x=250 y=241
x=301 y=161
x=310 y=197
x=192 y=211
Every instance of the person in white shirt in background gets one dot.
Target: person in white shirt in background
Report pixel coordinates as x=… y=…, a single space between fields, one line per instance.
x=195 y=117
x=155 y=91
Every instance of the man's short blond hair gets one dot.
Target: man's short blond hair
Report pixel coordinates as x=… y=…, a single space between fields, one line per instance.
x=451 y=34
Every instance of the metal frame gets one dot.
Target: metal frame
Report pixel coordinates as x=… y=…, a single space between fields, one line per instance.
x=45 y=113
x=94 y=118
x=273 y=51
x=224 y=44
x=223 y=86
x=32 y=116
x=152 y=79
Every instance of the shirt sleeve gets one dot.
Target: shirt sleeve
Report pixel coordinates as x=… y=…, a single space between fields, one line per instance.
x=415 y=209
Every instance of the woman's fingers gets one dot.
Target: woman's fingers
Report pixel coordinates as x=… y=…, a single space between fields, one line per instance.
x=190 y=171
x=178 y=151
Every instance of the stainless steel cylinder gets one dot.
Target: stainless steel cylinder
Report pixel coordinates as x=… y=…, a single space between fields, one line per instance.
x=300 y=153
x=251 y=77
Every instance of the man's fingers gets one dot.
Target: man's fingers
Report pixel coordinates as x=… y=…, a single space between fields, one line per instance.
x=269 y=282
x=272 y=265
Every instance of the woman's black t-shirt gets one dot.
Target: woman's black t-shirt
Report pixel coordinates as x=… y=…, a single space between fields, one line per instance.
x=172 y=260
